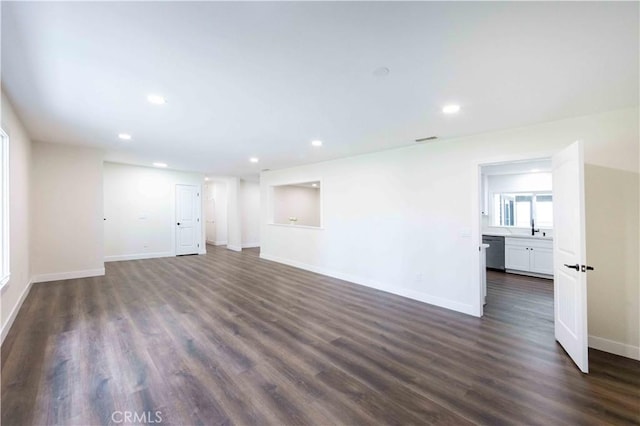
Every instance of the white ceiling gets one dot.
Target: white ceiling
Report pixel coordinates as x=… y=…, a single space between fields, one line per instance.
x=264 y=79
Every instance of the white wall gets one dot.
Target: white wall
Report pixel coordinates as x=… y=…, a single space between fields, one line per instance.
x=209 y=213
x=250 y=213
x=234 y=220
x=242 y=214
x=67 y=212
x=537 y=182
x=300 y=202
x=401 y=220
x=139 y=206
x=612 y=198
x=216 y=212
x=14 y=292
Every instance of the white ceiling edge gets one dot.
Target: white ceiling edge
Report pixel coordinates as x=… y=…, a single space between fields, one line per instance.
x=264 y=79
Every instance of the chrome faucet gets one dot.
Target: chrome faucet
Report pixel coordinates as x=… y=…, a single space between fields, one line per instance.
x=533 y=228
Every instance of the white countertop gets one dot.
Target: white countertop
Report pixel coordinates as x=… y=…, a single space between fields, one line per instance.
x=534 y=237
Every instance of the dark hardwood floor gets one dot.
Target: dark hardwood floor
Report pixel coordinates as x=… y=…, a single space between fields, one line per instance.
x=228 y=338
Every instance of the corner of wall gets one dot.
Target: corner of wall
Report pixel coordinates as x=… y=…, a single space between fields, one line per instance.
x=14 y=312
x=617 y=348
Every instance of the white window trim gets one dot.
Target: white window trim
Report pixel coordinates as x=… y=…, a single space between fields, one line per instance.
x=5 y=272
x=533 y=207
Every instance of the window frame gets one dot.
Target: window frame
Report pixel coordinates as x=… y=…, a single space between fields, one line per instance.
x=5 y=237
x=533 y=209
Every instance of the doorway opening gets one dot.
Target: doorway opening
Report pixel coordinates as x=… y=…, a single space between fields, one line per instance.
x=516 y=206
x=517 y=217
x=542 y=221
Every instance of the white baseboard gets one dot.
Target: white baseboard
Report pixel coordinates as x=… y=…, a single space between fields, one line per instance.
x=614 y=347
x=67 y=275
x=250 y=245
x=405 y=292
x=234 y=248
x=138 y=256
x=14 y=312
x=217 y=243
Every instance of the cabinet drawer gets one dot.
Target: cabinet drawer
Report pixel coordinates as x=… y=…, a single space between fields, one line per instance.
x=529 y=242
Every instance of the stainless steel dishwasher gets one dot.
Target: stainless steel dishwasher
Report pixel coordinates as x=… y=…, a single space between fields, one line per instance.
x=495 y=252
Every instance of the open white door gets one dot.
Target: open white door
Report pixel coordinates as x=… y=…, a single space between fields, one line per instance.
x=569 y=254
x=187 y=219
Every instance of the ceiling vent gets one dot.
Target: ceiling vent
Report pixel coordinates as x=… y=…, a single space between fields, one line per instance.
x=427 y=139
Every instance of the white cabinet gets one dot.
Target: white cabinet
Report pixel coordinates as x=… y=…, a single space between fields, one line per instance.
x=529 y=255
x=541 y=260
x=516 y=257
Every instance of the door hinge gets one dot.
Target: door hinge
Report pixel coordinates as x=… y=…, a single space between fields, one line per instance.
x=198 y=245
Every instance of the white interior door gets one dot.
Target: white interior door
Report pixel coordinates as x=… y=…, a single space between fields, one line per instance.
x=187 y=219
x=569 y=254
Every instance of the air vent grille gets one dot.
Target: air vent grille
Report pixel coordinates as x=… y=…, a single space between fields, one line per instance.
x=427 y=139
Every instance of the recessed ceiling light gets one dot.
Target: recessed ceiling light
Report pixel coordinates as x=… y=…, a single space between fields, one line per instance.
x=381 y=72
x=125 y=136
x=315 y=185
x=157 y=99
x=206 y=178
x=451 y=109
x=160 y=164
x=316 y=143
x=254 y=159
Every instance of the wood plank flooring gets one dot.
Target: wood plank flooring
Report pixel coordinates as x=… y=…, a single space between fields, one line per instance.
x=228 y=338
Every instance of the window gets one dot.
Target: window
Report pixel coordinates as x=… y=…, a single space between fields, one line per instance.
x=4 y=208
x=518 y=209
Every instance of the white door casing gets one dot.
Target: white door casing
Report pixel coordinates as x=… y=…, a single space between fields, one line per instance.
x=569 y=255
x=187 y=219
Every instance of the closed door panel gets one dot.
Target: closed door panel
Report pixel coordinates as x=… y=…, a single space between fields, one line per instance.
x=187 y=219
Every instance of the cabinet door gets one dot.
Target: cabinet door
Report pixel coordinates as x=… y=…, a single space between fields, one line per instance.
x=541 y=260
x=516 y=257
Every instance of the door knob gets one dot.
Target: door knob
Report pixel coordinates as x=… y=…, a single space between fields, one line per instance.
x=586 y=268
x=576 y=266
